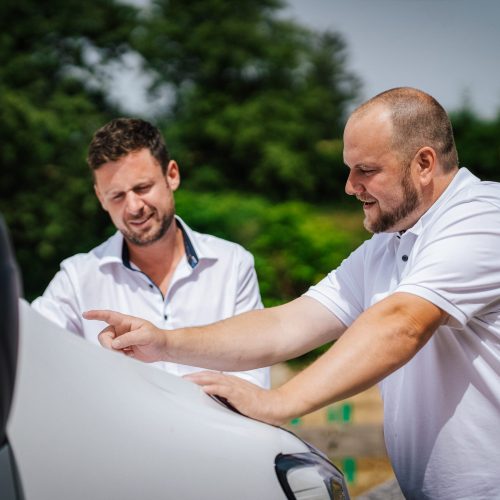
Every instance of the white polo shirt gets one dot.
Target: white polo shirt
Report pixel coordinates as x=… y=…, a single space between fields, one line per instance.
x=216 y=280
x=442 y=409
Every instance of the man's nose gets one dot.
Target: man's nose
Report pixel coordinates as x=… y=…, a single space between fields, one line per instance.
x=353 y=186
x=135 y=203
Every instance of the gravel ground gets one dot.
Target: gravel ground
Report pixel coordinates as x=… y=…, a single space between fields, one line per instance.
x=386 y=491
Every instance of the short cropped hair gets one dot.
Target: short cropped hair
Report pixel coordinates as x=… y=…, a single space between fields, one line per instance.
x=122 y=136
x=418 y=120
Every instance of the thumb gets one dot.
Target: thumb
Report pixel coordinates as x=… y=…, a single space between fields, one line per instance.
x=129 y=339
x=106 y=337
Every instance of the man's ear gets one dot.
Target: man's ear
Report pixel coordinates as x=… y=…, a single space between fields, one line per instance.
x=173 y=175
x=100 y=197
x=426 y=163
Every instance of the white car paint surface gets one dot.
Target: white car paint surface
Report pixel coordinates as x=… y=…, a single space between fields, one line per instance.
x=88 y=423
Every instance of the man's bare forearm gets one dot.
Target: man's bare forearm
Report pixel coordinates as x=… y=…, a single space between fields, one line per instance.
x=256 y=338
x=383 y=339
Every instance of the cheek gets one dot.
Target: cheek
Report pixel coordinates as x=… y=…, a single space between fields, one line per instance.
x=115 y=213
x=385 y=199
x=162 y=199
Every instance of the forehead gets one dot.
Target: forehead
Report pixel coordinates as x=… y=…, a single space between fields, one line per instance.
x=367 y=135
x=128 y=170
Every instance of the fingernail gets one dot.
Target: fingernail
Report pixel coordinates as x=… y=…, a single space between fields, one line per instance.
x=116 y=344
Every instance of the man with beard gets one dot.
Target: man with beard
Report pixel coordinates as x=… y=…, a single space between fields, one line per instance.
x=154 y=265
x=416 y=308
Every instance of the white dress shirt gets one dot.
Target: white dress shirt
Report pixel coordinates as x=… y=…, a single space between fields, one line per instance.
x=216 y=280
x=441 y=409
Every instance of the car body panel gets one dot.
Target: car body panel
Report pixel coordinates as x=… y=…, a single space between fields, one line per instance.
x=90 y=423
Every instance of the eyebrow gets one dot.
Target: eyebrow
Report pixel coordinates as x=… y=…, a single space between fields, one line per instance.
x=360 y=166
x=141 y=184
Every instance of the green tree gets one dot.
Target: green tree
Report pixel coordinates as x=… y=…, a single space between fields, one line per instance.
x=51 y=100
x=478 y=143
x=258 y=102
x=294 y=244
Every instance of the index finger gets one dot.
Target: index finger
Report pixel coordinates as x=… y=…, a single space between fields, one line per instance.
x=110 y=317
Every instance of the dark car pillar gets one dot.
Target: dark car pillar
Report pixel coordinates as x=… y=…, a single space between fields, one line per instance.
x=10 y=486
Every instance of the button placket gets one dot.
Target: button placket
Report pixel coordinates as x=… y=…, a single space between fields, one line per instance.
x=404 y=251
x=155 y=297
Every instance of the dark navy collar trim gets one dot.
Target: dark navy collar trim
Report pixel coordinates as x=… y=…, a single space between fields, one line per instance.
x=191 y=255
x=125 y=255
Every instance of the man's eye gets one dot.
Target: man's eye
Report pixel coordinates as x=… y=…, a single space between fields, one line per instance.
x=117 y=197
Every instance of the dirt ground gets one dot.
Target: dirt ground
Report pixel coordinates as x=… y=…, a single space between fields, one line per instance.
x=350 y=433
x=371 y=472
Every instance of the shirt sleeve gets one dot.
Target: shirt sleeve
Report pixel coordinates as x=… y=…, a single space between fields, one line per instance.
x=248 y=294
x=248 y=299
x=59 y=303
x=457 y=266
x=342 y=290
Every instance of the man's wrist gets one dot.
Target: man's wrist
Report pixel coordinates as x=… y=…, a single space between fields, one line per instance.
x=283 y=408
x=169 y=344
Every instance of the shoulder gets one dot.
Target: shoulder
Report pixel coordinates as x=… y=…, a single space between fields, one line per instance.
x=470 y=190
x=209 y=244
x=108 y=250
x=482 y=193
x=214 y=247
x=469 y=205
x=476 y=205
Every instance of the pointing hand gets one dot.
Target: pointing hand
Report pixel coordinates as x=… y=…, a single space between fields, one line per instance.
x=133 y=336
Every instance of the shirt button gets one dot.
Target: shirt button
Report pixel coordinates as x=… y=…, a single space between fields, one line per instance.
x=405 y=258
x=165 y=316
x=150 y=285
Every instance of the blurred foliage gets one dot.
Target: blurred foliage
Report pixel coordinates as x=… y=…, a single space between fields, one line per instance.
x=294 y=244
x=478 y=143
x=257 y=105
x=244 y=84
x=51 y=101
x=259 y=101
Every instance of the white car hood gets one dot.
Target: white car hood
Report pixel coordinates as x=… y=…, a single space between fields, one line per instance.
x=88 y=423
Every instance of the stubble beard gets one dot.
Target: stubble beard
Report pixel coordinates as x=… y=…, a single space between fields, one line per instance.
x=148 y=239
x=389 y=219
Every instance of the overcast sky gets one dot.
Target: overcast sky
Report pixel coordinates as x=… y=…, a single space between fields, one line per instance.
x=449 y=48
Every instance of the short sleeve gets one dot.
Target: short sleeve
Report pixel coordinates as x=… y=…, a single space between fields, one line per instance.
x=247 y=299
x=342 y=290
x=248 y=294
x=457 y=265
x=59 y=303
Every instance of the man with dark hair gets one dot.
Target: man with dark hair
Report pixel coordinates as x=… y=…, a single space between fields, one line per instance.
x=416 y=308
x=155 y=265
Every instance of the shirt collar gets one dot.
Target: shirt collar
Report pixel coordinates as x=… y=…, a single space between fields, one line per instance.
x=461 y=179
x=196 y=249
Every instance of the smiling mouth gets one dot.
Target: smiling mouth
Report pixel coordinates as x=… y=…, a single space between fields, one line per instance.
x=367 y=204
x=140 y=222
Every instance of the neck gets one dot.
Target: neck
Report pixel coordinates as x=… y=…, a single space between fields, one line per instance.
x=438 y=186
x=429 y=196
x=159 y=259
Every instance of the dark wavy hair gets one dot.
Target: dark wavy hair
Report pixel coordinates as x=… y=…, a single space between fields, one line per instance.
x=122 y=136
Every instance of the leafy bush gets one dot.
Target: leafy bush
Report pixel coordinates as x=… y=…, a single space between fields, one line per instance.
x=294 y=244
